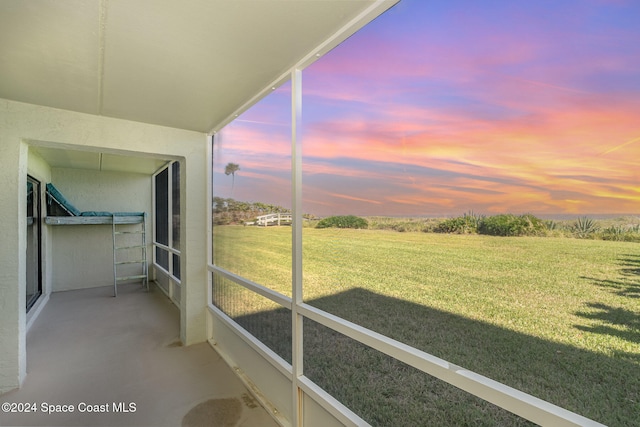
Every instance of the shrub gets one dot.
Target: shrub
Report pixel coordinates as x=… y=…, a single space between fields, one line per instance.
x=621 y=234
x=456 y=225
x=615 y=232
x=343 y=221
x=511 y=225
x=397 y=224
x=466 y=224
x=584 y=227
x=534 y=223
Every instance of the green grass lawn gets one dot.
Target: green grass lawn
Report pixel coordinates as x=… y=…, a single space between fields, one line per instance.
x=555 y=317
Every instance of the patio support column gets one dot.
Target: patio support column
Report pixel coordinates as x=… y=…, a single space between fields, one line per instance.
x=13 y=175
x=296 y=261
x=193 y=214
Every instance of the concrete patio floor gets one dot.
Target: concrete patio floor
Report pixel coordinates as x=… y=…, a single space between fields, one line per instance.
x=122 y=358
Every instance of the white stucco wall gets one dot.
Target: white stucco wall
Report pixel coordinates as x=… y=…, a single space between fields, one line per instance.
x=82 y=255
x=13 y=169
x=91 y=190
x=22 y=124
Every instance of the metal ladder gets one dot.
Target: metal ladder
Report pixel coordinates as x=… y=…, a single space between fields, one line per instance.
x=129 y=249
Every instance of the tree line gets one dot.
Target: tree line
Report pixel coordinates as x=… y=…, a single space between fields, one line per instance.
x=230 y=211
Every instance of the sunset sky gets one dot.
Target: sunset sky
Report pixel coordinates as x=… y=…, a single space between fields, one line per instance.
x=441 y=107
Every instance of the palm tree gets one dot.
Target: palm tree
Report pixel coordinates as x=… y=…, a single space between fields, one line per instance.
x=231 y=169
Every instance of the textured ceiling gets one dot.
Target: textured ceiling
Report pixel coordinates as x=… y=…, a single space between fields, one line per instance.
x=187 y=64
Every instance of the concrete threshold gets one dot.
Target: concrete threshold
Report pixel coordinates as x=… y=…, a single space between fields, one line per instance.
x=96 y=360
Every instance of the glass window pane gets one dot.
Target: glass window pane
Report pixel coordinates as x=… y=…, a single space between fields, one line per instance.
x=259 y=316
x=162 y=258
x=176 y=266
x=175 y=204
x=162 y=207
x=385 y=392
x=493 y=157
x=252 y=193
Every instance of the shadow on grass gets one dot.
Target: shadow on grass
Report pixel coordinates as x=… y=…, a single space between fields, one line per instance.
x=386 y=392
x=624 y=286
x=617 y=321
x=631 y=264
x=618 y=287
x=627 y=322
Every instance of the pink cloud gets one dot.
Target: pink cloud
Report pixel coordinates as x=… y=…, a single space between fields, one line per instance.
x=558 y=143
